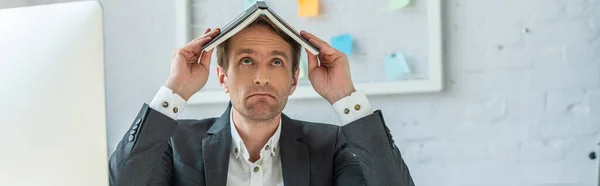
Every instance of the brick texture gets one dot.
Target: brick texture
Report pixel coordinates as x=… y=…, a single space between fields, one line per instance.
x=520 y=107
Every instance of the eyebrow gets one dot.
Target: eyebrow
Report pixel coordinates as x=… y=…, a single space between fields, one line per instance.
x=244 y=51
x=279 y=53
x=250 y=51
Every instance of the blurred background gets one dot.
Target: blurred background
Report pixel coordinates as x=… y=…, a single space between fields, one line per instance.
x=520 y=105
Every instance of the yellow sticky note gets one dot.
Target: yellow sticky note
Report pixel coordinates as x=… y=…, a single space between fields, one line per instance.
x=308 y=7
x=397 y=4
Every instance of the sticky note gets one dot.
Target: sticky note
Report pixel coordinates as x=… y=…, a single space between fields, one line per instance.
x=303 y=68
x=308 y=8
x=343 y=43
x=248 y=3
x=396 y=65
x=397 y=4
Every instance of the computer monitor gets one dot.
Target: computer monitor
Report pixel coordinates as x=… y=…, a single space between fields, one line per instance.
x=52 y=106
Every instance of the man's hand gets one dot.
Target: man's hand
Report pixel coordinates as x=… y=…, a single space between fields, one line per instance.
x=331 y=79
x=187 y=76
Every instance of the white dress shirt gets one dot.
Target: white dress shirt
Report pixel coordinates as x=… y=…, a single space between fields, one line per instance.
x=264 y=171
x=267 y=169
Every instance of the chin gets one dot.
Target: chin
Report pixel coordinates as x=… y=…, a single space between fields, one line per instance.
x=262 y=109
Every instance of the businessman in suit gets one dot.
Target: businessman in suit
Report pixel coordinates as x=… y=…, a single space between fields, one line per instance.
x=253 y=142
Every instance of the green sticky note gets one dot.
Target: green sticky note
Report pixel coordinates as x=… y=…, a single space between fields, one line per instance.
x=303 y=68
x=396 y=66
x=397 y=4
x=248 y=3
x=343 y=43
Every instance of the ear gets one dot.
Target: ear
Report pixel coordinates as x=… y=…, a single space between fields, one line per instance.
x=222 y=78
x=295 y=81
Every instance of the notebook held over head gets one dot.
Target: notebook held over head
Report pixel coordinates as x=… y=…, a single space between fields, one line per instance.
x=247 y=17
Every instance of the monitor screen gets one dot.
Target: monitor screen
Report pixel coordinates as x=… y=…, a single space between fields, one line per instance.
x=52 y=116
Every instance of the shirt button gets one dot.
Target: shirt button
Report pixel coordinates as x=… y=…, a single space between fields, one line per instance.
x=165 y=104
x=267 y=147
x=175 y=109
x=274 y=149
x=346 y=111
x=235 y=150
x=357 y=107
x=131 y=138
x=256 y=169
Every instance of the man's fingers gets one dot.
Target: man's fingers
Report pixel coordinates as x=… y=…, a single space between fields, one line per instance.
x=202 y=36
x=308 y=36
x=323 y=46
x=195 y=46
x=208 y=33
x=212 y=33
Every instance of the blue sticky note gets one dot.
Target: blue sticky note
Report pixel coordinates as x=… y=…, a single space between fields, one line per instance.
x=343 y=43
x=248 y=3
x=396 y=65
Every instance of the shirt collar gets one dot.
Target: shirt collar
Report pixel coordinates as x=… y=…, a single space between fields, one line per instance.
x=270 y=148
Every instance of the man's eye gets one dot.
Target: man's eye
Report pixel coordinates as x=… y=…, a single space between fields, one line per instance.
x=246 y=61
x=277 y=62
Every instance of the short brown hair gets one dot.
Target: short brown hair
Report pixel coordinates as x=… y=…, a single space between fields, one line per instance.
x=222 y=49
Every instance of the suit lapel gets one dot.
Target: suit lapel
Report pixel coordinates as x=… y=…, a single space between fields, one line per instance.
x=295 y=160
x=216 y=148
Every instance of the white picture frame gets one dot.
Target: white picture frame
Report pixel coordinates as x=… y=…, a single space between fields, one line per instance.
x=434 y=82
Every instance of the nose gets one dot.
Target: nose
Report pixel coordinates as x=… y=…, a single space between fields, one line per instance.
x=262 y=78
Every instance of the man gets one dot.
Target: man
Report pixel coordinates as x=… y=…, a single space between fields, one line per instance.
x=253 y=143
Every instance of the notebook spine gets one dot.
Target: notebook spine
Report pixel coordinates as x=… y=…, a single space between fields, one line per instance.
x=261 y=5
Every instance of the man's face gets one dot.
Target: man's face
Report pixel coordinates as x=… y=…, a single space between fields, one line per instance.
x=259 y=78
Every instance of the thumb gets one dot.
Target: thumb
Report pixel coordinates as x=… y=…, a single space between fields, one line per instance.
x=313 y=61
x=205 y=57
x=204 y=61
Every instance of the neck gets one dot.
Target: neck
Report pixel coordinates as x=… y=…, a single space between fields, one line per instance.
x=255 y=134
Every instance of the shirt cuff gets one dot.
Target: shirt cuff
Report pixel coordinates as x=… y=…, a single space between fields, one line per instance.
x=168 y=103
x=352 y=107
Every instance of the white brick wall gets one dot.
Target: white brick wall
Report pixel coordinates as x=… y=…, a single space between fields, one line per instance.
x=521 y=108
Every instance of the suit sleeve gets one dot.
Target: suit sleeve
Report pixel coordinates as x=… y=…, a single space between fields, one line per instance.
x=346 y=168
x=380 y=160
x=144 y=155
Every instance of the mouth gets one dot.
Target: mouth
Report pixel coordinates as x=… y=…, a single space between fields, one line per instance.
x=261 y=95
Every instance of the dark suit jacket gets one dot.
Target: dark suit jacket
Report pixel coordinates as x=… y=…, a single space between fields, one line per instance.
x=158 y=150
